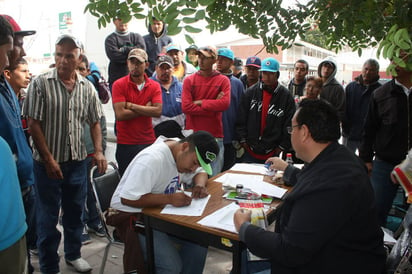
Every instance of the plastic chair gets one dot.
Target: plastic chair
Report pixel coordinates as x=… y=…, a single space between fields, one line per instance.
x=103 y=189
x=400 y=258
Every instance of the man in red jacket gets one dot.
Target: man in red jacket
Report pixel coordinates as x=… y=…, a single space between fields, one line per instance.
x=206 y=94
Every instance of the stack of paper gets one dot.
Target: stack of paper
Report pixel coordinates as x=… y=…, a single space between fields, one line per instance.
x=253 y=182
x=222 y=218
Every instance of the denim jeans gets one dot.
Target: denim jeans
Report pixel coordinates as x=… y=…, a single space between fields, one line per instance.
x=217 y=164
x=29 y=202
x=384 y=188
x=70 y=194
x=174 y=255
x=247 y=158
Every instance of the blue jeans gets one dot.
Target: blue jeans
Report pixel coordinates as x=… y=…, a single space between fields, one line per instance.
x=217 y=164
x=384 y=188
x=247 y=158
x=29 y=202
x=70 y=194
x=174 y=255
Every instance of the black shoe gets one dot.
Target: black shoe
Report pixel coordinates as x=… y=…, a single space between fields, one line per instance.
x=116 y=237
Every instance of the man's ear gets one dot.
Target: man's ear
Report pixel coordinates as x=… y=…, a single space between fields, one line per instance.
x=185 y=146
x=7 y=74
x=306 y=135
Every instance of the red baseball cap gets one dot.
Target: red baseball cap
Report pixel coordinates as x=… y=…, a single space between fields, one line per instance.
x=16 y=28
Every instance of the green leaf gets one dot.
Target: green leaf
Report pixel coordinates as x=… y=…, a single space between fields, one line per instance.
x=188 y=11
x=200 y=14
x=174 y=31
x=192 y=29
x=139 y=16
x=171 y=16
x=189 y=20
x=189 y=39
x=206 y=2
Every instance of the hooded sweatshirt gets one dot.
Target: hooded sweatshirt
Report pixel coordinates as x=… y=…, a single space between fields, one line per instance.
x=154 y=46
x=332 y=91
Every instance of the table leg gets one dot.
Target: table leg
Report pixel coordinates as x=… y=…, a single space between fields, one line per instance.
x=237 y=257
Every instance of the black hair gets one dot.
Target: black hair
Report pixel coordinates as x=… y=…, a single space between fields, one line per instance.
x=321 y=118
x=373 y=63
x=83 y=59
x=303 y=62
x=19 y=61
x=5 y=31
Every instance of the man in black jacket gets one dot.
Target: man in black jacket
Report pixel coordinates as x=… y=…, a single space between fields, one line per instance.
x=387 y=135
x=117 y=46
x=265 y=112
x=328 y=222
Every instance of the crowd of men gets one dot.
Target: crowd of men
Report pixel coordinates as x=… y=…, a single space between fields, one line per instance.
x=180 y=121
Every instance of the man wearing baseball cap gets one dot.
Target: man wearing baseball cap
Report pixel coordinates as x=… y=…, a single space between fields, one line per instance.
x=206 y=94
x=11 y=130
x=58 y=104
x=252 y=67
x=164 y=170
x=181 y=68
x=172 y=121
x=136 y=99
x=265 y=113
x=224 y=62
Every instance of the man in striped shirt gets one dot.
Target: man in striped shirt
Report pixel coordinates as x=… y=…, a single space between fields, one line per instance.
x=58 y=104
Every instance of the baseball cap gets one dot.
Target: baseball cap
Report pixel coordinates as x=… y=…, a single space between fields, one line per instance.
x=238 y=63
x=164 y=59
x=208 y=51
x=191 y=47
x=172 y=47
x=225 y=52
x=206 y=148
x=270 y=64
x=76 y=41
x=253 y=61
x=16 y=28
x=139 y=54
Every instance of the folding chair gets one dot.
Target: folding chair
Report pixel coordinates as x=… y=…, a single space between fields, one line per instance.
x=103 y=189
x=400 y=258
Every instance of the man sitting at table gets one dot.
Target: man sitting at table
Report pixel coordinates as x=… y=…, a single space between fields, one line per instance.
x=154 y=178
x=328 y=222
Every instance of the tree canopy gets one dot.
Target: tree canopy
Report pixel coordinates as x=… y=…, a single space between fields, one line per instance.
x=358 y=24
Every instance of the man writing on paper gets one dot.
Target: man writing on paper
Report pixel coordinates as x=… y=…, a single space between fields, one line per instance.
x=328 y=222
x=153 y=179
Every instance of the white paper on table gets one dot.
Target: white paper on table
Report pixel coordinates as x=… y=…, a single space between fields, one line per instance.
x=222 y=218
x=196 y=207
x=253 y=168
x=254 y=182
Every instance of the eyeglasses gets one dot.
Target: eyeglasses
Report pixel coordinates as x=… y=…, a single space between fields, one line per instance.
x=290 y=129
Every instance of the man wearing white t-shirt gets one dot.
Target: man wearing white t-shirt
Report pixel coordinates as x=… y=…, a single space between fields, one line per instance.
x=154 y=178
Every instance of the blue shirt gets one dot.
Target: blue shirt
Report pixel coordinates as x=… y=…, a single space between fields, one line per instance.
x=229 y=116
x=11 y=130
x=12 y=217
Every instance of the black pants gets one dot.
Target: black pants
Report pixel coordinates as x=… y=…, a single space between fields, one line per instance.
x=125 y=154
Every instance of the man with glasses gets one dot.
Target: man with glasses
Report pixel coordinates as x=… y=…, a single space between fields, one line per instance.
x=264 y=113
x=328 y=223
x=136 y=99
x=206 y=94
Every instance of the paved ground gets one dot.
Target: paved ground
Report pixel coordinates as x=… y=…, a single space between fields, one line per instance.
x=217 y=262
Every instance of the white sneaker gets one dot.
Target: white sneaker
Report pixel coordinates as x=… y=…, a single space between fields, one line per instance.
x=80 y=265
